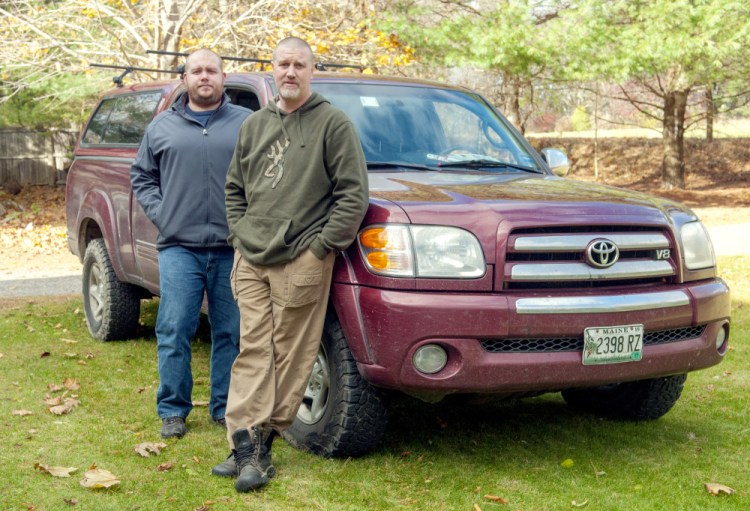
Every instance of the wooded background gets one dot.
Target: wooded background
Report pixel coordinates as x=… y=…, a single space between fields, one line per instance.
x=547 y=64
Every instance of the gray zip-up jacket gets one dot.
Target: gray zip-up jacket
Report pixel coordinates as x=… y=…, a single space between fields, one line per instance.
x=179 y=173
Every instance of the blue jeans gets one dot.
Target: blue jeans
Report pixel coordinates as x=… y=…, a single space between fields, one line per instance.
x=184 y=275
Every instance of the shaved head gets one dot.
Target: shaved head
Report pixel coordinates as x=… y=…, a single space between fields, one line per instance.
x=206 y=53
x=292 y=43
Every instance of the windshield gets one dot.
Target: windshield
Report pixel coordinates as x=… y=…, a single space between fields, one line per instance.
x=427 y=127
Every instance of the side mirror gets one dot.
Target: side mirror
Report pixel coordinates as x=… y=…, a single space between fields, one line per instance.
x=556 y=160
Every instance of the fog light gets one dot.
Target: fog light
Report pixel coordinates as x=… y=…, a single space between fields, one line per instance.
x=430 y=358
x=721 y=338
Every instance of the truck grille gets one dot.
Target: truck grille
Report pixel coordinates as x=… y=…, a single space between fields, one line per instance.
x=558 y=344
x=587 y=257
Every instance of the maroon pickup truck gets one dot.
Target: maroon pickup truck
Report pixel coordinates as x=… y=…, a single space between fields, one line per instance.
x=478 y=270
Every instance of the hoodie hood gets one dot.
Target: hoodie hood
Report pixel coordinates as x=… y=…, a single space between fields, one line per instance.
x=312 y=102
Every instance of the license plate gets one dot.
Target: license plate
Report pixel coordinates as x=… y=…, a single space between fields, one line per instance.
x=612 y=344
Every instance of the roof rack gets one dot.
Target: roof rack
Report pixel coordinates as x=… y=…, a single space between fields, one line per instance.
x=236 y=59
x=320 y=66
x=129 y=69
x=118 y=80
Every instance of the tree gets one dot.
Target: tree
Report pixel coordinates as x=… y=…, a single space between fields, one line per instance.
x=503 y=38
x=41 y=41
x=662 y=52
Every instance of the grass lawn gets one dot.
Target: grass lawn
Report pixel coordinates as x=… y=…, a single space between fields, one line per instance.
x=536 y=454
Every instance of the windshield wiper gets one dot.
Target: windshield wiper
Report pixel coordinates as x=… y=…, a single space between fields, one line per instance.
x=396 y=165
x=485 y=163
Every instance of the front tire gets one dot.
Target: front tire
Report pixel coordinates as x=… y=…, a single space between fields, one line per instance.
x=341 y=415
x=634 y=401
x=112 y=308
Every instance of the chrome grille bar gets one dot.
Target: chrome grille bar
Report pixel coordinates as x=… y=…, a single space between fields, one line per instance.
x=527 y=272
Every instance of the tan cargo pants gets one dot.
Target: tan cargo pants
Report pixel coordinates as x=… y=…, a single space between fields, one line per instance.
x=282 y=311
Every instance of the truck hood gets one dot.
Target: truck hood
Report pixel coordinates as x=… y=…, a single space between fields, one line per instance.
x=429 y=197
x=492 y=204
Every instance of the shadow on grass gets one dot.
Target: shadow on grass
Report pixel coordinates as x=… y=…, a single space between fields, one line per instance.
x=529 y=429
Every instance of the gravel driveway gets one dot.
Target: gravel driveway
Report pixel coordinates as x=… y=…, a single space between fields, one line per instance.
x=728 y=240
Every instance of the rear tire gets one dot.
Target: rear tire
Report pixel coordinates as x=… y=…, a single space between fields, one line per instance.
x=634 y=401
x=341 y=414
x=112 y=308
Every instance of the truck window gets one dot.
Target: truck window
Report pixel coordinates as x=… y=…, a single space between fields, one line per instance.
x=122 y=119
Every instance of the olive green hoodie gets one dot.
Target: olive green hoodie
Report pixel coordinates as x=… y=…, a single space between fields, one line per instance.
x=296 y=181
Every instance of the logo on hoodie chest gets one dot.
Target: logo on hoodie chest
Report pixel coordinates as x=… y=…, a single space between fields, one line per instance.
x=275 y=169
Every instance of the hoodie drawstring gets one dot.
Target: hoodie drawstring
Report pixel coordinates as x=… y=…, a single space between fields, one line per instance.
x=298 y=117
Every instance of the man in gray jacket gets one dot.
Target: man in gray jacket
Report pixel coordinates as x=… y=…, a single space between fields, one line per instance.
x=178 y=178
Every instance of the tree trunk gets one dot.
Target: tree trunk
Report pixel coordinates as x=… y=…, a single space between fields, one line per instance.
x=673 y=140
x=513 y=104
x=710 y=113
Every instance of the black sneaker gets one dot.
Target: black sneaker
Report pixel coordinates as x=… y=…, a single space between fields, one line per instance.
x=173 y=427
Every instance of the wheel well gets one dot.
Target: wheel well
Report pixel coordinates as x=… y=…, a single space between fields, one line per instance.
x=90 y=230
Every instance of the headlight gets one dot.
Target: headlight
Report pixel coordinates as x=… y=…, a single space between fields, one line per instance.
x=421 y=251
x=697 y=247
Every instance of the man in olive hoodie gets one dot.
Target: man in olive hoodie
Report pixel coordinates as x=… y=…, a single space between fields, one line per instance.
x=296 y=194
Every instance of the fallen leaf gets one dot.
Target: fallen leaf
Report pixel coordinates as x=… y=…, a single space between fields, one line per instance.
x=495 y=498
x=53 y=387
x=53 y=401
x=583 y=503
x=55 y=471
x=71 y=502
x=567 y=463
x=146 y=449
x=98 y=478
x=718 y=489
x=200 y=403
x=44 y=353
x=21 y=413
x=477 y=508
x=71 y=384
x=66 y=407
x=68 y=341
x=163 y=467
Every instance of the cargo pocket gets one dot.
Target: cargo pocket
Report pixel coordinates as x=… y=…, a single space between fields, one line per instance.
x=304 y=276
x=304 y=289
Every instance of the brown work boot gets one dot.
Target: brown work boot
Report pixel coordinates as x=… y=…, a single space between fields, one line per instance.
x=228 y=467
x=264 y=460
x=247 y=451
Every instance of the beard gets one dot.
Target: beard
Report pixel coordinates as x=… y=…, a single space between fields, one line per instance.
x=290 y=93
x=204 y=100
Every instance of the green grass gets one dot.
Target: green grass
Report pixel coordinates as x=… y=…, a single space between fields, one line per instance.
x=434 y=457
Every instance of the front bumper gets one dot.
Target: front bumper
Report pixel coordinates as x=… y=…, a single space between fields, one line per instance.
x=389 y=326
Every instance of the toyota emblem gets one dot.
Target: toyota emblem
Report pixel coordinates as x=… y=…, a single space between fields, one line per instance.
x=602 y=253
